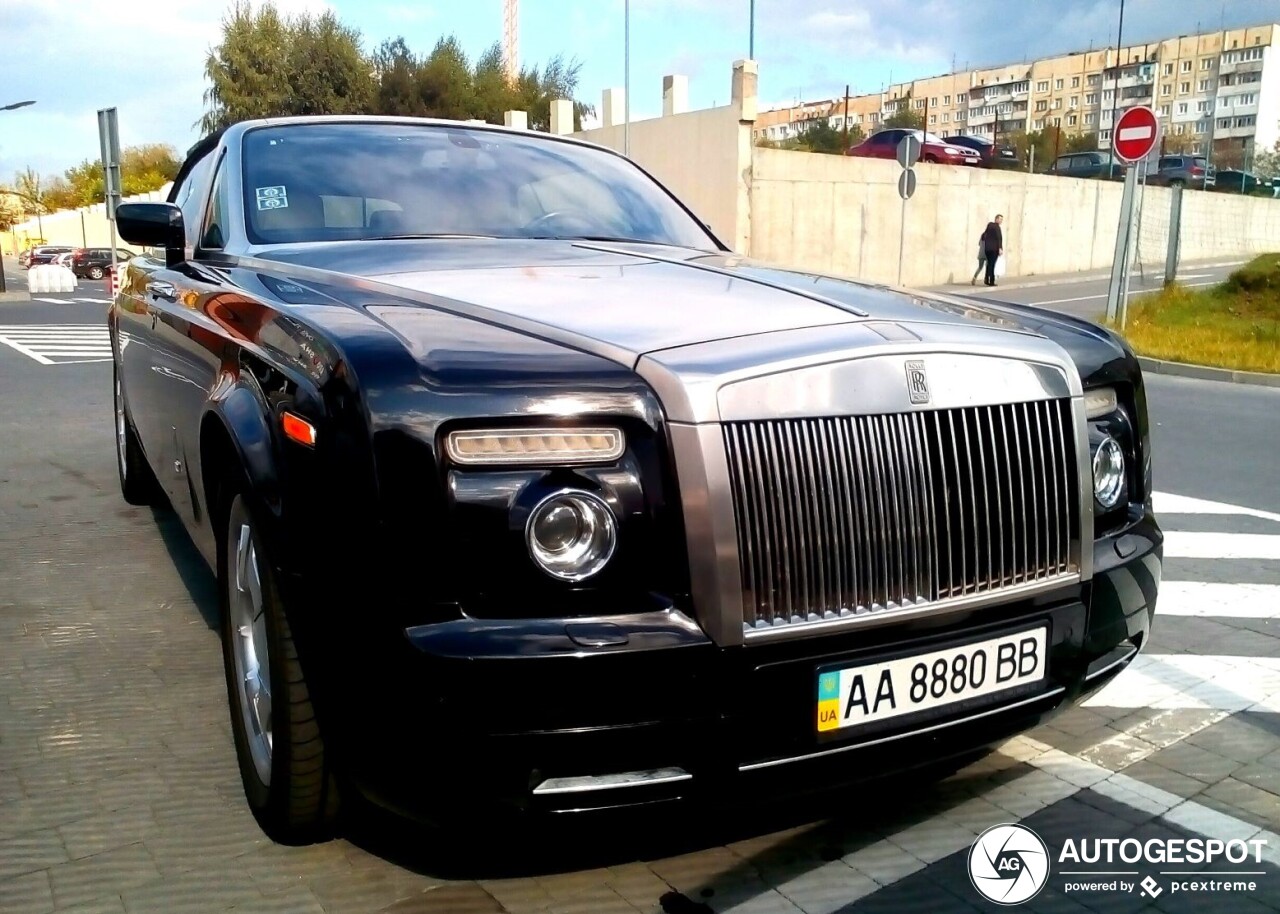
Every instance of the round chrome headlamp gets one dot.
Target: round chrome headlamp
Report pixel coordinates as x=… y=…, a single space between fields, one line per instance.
x=1108 y=472
x=571 y=535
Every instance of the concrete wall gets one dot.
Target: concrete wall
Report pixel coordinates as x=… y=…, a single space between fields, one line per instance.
x=842 y=215
x=693 y=154
x=703 y=157
x=84 y=227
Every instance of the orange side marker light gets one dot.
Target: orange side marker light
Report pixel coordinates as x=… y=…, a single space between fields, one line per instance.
x=300 y=430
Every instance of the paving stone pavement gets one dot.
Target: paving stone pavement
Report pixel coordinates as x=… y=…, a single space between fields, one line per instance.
x=119 y=790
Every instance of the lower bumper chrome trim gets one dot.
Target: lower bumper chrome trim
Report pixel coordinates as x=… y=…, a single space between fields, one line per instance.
x=612 y=781
x=1127 y=653
x=1034 y=699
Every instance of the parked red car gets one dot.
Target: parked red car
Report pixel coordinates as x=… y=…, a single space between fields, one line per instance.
x=884 y=145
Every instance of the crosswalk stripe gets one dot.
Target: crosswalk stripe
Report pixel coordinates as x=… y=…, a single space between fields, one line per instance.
x=29 y=353
x=1219 y=682
x=51 y=301
x=1207 y=600
x=1167 y=503
x=1183 y=544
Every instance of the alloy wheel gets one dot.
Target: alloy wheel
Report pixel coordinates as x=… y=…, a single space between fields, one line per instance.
x=250 y=652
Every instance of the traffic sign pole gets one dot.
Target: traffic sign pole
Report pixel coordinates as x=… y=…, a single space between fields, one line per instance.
x=1134 y=135
x=909 y=149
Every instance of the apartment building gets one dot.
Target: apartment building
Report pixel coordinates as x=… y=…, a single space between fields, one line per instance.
x=1215 y=93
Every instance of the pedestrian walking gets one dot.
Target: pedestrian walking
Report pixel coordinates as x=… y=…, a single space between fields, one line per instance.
x=993 y=247
x=982 y=262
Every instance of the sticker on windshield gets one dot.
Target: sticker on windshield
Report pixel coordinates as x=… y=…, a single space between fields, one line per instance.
x=272 y=197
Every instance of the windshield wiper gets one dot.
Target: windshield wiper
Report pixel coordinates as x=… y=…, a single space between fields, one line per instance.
x=423 y=235
x=613 y=239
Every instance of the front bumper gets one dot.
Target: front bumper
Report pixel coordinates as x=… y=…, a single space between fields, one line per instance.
x=529 y=716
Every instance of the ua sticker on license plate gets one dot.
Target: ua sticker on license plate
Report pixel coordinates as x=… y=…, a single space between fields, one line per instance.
x=879 y=691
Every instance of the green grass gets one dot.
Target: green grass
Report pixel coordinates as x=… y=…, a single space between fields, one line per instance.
x=1235 y=324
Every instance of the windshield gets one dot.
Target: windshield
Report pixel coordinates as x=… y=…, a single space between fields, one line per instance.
x=326 y=182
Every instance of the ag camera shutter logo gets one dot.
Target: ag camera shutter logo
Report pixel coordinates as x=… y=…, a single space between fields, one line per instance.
x=1008 y=864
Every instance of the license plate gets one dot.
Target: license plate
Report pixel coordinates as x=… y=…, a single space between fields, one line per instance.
x=859 y=695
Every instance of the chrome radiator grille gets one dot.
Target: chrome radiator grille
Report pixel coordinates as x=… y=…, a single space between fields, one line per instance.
x=868 y=514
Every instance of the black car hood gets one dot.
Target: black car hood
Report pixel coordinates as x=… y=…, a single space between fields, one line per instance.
x=645 y=297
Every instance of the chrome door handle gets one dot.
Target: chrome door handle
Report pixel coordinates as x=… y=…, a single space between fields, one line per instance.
x=165 y=290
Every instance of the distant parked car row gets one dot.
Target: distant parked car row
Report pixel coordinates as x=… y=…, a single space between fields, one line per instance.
x=91 y=263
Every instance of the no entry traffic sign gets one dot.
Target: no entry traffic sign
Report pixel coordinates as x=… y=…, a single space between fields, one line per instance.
x=1135 y=135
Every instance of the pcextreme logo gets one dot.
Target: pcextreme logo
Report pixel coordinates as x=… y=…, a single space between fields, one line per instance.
x=1008 y=864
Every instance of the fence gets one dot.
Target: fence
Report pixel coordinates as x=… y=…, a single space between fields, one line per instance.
x=85 y=227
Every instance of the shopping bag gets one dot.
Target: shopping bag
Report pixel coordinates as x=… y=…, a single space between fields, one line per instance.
x=1000 y=265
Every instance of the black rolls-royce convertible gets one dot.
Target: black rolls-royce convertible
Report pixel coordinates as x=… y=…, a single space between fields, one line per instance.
x=523 y=491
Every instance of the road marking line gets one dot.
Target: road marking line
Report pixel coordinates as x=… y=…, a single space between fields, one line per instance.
x=24 y=350
x=52 y=301
x=80 y=361
x=1166 y=503
x=1203 y=600
x=1184 y=545
x=1132 y=293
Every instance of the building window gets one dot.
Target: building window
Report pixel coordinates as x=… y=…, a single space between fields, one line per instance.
x=1093 y=80
x=1108 y=94
x=1042 y=86
x=1057 y=104
x=1042 y=105
x=1184 y=88
x=1247 y=99
x=946 y=99
x=946 y=118
x=1186 y=66
x=1071 y=120
x=1165 y=111
x=1206 y=85
x=1091 y=117
x=933 y=119
x=1074 y=102
x=1075 y=82
x=1057 y=84
x=919 y=103
x=1202 y=106
x=1168 y=69
x=1246 y=121
x=1091 y=98
x=1021 y=87
x=1180 y=129
x=1166 y=89
x=933 y=102
x=1039 y=124
x=1202 y=126
x=961 y=98
x=1224 y=123
x=1196 y=149
x=1105 y=135
x=1182 y=107
x=1206 y=63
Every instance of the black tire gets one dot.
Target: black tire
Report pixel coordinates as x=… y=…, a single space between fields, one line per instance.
x=138 y=484
x=299 y=802
x=96 y=272
x=933 y=159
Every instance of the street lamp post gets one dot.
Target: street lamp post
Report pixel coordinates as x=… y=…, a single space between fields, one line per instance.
x=13 y=107
x=751 y=42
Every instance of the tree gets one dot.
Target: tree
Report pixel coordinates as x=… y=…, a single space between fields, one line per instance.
x=10 y=211
x=268 y=65
x=906 y=116
x=1176 y=145
x=30 y=187
x=1079 y=142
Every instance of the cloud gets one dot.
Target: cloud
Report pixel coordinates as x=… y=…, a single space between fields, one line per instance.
x=76 y=56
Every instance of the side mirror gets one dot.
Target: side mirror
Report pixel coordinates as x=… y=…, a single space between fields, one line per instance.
x=154 y=225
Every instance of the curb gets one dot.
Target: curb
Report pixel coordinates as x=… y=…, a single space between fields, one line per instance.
x=1073 y=278
x=1205 y=373
x=15 y=296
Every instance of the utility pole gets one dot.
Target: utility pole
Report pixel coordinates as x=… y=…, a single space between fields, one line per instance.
x=1115 y=91
x=751 y=40
x=846 y=118
x=626 y=78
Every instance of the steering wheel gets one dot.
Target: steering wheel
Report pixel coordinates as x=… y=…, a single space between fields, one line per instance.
x=573 y=223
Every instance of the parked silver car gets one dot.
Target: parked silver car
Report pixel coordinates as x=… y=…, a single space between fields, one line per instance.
x=1183 y=171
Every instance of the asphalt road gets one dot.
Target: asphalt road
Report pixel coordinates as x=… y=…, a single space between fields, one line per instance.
x=1085 y=295
x=119 y=790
